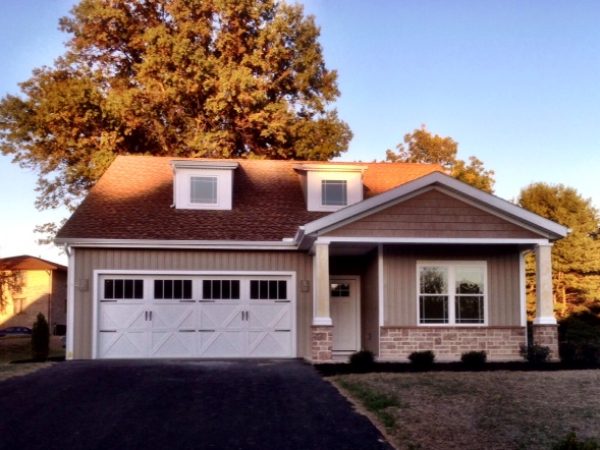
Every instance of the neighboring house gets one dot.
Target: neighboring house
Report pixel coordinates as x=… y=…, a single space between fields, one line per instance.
x=256 y=258
x=37 y=286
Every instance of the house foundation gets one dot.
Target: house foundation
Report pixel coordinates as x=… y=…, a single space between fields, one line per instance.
x=322 y=343
x=449 y=343
x=547 y=335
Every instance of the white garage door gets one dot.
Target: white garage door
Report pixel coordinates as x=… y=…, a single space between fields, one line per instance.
x=195 y=316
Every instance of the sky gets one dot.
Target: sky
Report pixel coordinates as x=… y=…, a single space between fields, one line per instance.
x=515 y=82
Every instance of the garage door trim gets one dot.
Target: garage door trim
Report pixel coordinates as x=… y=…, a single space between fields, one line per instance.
x=233 y=273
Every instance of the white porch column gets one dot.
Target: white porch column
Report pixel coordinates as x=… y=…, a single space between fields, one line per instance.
x=321 y=313
x=543 y=268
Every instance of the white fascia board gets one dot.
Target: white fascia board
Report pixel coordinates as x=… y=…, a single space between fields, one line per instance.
x=195 y=164
x=330 y=167
x=433 y=240
x=178 y=244
x=432 y=180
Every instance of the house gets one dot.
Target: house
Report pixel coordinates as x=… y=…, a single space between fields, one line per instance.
x=30 y=286
x=256 y=258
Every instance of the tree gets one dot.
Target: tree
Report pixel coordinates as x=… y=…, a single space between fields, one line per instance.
x=184 y=78
x=11 y=284
x=421 y=146
x=40 y=339
x=575 y=258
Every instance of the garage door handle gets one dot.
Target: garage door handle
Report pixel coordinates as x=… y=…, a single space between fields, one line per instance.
x=146 y=315
x=150 y=312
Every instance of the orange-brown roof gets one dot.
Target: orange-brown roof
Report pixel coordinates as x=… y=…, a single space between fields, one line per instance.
x=27 y=262
x=133 y=200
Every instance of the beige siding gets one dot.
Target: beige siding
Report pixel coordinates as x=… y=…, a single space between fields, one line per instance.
x=88 y=260
x=432 y=214
x=59 y=297
x=369 y=305
x=400 y=285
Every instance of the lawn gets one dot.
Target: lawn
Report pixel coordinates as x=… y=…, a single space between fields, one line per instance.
x=18 y=348
x=479 y=410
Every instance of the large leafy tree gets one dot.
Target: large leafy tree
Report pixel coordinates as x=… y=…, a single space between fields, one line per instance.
x=198 y=78
x=421 y=146
x=576 y=258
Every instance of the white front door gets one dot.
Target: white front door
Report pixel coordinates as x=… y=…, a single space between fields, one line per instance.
x=345 y=315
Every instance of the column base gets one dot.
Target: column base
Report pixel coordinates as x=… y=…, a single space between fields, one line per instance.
x=547 y=335
x=322 y=343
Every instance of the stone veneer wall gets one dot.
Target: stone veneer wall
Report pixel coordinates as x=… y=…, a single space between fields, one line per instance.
x=547 y=335
x=322 y=343
x=449 y=343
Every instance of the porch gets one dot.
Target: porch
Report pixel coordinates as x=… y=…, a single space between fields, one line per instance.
x=370 y=296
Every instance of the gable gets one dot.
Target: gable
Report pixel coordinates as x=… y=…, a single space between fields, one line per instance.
x=433 y=213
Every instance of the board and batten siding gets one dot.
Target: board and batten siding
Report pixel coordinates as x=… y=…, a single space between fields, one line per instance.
x=89 y=260
x=369 y=304
x=400 y=280
x=432 y=214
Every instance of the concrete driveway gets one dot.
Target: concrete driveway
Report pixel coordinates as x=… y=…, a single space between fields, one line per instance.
x=177 y=404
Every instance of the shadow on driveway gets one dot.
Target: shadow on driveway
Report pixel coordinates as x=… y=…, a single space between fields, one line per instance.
x=177 y=404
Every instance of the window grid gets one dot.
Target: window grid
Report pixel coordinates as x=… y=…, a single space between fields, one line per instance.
x=173 y=289
x=334 y=192
x=268 y=290
x=203 y=190
x=123 y=289
x=221 y=289
x=462 y=305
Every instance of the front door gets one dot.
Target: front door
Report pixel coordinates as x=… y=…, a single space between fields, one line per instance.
x=344 y=307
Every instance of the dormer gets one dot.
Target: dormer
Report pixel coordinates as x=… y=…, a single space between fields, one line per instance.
x=203 y=184
x=329 y=187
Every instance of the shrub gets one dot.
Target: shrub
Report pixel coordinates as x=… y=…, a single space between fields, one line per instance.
x=535 y=354
x=40 y=339
x=580 y=339
x=422 y=360
x=474 y=360
x=571 y=442
x=362 y=361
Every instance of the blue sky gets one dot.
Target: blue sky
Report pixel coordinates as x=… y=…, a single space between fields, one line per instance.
x=515 y=83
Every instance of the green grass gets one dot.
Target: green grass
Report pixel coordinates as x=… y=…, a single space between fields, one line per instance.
x=18 y=348
x=374 y=401
x=476 y=410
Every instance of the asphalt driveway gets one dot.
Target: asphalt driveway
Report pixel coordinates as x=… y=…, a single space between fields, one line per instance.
x=180 y=405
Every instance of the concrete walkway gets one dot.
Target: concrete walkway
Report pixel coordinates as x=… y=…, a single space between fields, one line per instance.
x=176 y=404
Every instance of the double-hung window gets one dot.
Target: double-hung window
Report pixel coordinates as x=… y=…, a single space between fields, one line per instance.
x=452 y=293
x=334 y=192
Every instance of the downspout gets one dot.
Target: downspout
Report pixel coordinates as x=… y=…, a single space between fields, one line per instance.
x=70 y=302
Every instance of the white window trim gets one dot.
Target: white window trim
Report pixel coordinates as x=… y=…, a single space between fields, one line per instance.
x=451 y=265
x=326 y=182
x=314 y=193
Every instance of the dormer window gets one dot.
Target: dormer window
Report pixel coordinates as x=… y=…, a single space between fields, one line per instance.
x=329 y=187
x=334 y=192
x=203 y=184
x=203 y=190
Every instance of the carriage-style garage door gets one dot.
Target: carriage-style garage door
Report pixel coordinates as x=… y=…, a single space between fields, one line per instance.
x=166 y=316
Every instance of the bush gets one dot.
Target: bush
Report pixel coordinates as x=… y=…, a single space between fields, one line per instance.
x=535 y=354
x=474 y=360
x=422 y=360
x=571 y=442
x=40 y=339
x=362 y=361
x=579 y=354
x=580 y=339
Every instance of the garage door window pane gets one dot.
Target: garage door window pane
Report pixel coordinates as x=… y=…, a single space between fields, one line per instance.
x=173 y=289
x=221 y=289
x=123 y=289
x=268 y=290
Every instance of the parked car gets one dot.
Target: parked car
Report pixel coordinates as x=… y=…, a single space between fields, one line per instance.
x=15 y=331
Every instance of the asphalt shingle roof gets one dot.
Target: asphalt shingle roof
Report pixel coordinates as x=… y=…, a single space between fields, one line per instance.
x=133 y=200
